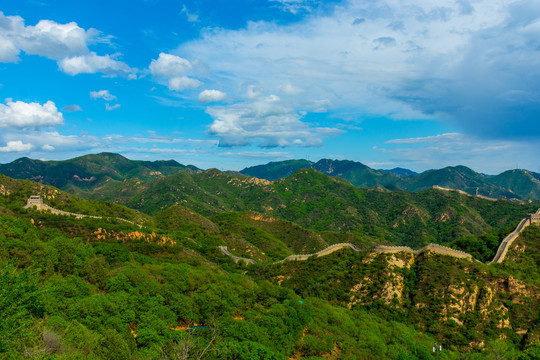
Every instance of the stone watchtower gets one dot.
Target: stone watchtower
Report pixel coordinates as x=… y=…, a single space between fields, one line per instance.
x=533 y=218
x=34 y=200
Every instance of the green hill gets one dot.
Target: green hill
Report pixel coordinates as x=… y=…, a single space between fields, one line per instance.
x=90 y=171
x=326 y=204
x=100 y=289
x=517 y=184
x=523 y=182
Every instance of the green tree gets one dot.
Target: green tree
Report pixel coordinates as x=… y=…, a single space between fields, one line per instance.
x=112 y=346
x=20 y=299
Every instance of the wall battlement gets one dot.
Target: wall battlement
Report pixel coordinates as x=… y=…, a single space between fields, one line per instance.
x=37 y=201
x=436 y=248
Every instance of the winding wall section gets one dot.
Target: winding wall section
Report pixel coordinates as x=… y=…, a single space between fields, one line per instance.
x=40 y=205
x=436 y=248
x=440 y=249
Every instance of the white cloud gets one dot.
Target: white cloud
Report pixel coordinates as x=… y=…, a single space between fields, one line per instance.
x=8 y=51
x=447 y=60
x=53 y=40
x=47 y=38
x=19 y=114
x=72 y=108
x=190 y=16
x=294 y=6
x=258 y=154
x=182 y=83
x=427 y=139
x=172 y=70
x=102 y=94
x=48 y=147
x=65 y=43
x=430 y=152
x=92 y=63
x=290 y=89
x=111 y=107
x=169 y=66
x=269 y=122
x=207 y=96
x=16 y=146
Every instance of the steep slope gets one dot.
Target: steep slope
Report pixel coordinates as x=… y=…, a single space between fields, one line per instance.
x=92 y=288
x=89 y=171
x=15 y=193
x=277 y=170
x=326 y=204
x=463 y=303
x=523 y=182
x=510 y=184
x=401 y=171
x=356 y=173
x=455 y=177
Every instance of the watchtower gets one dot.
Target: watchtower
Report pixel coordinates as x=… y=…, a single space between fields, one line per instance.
x=533 y=218
x=34 y=200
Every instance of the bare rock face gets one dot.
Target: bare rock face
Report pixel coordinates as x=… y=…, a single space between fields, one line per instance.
x=388 y=288
x=446 y=290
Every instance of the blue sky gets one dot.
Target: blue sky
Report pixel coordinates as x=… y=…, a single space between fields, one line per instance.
x=230 y=84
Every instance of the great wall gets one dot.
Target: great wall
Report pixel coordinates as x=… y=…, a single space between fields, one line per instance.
x=436 y=248
x=37 y=202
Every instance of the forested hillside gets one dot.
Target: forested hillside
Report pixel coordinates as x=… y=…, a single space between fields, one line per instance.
x=326 y=204
x=104 y=289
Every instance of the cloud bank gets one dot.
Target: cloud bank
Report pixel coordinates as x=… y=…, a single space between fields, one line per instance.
x=474 y=65
x=65 y=43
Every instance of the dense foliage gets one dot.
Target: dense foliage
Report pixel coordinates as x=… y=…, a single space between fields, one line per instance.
x=105 y=289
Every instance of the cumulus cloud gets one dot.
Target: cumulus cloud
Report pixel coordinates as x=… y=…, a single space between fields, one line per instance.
x=454 y=61
x=72 y=108
x=173 y=71
x=65 y=43
x=16 y=146
x=54 y=41
x=19 y=114
x=102 y=94
x=47 y=38
x=182 y=83
x=168 y=66
x=207 y=96
x=92 y=63
x=269 y=122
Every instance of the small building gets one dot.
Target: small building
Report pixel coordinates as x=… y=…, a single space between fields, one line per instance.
x=34 y=200
x=533 y=218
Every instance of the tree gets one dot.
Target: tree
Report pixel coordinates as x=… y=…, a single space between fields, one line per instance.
x=113 y=347
x=20 y=298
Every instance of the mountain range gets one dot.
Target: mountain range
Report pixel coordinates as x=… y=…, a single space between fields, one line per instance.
x=86 y=173
x=512 y=184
